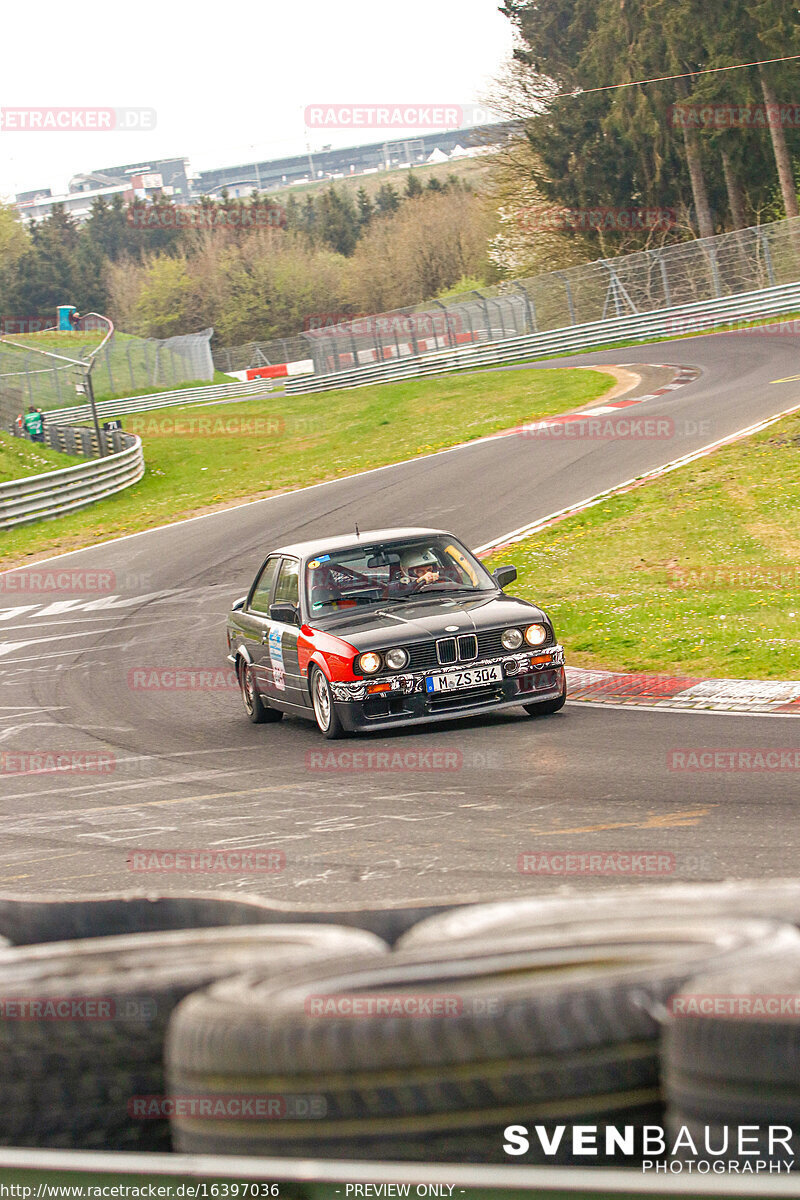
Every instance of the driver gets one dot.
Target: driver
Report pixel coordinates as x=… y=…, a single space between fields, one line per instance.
x=419 y=566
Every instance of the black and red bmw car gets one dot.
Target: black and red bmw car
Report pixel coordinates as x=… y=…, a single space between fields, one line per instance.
x=389 y=627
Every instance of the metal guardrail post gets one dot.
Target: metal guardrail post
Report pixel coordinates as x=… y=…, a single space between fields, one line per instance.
x=570 y=302
x=529 y=307
x=762 y=237
x=439 y=304
x=664 y=278
x=712 y=258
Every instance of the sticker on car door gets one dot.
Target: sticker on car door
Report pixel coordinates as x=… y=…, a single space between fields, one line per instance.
x=276 y=659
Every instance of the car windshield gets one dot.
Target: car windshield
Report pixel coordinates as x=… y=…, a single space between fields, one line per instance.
x=394 y=571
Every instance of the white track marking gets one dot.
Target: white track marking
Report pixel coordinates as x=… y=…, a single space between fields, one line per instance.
x=492 y=437
x=518 y=535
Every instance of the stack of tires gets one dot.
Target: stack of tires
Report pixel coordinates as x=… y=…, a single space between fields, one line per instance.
x=276 y=1036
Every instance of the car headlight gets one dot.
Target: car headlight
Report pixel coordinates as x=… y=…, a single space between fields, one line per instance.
x=369 y=663
x=536 y=635
x=511 y=639
x=397 y=659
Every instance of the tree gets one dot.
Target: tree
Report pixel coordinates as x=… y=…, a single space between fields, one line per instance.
x=14 y=241
x=337 y=223
x=165 y=300
x=413 y=186
x=387 y=199
x=364 y=206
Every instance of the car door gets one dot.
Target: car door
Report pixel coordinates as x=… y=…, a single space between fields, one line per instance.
x=254 y=622
x=284 y=682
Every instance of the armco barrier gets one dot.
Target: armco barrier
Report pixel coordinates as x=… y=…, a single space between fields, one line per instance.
x=198 y=395
x=58 y=492
x=688 y=318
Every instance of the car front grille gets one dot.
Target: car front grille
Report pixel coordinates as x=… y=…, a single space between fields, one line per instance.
x=447 y=652
x=460 y=649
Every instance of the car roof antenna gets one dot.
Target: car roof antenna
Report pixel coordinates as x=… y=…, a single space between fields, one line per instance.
x=358 y=535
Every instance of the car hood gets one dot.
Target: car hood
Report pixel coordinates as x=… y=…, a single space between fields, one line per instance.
x=426 y=618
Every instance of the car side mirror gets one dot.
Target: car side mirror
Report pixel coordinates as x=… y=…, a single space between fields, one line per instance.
x=504 y=575
x=287 y=613
x=238 y=605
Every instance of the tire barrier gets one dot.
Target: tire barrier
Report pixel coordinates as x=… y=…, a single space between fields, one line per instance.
x=51 y=918
x=731 y=1058
x=428 y=1054
x=777 y=899
x=83 y=1024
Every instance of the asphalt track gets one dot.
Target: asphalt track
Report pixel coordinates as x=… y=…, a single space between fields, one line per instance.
x=182 y=768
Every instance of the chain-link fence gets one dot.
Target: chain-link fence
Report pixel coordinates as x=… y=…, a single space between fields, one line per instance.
x=125 y=364
x=260 y=354
x=649 y=280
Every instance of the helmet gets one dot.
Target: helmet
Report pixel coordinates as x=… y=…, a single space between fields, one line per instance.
x=418 y=559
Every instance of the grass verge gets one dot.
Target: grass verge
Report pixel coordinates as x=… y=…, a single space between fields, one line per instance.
x=20 y=458
x=212 y=456
x=695 y=573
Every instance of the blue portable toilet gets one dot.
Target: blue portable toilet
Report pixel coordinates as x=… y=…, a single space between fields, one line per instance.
x=65 y=311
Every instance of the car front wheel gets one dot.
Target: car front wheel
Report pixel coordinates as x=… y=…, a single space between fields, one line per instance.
x=258 y=712
x=324 y=709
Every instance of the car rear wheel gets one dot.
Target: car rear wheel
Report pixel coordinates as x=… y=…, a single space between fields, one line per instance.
x=258 y=712
x=545 y=707
x=325 y=713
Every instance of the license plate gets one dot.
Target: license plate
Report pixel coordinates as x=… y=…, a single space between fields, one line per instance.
x=472 y=677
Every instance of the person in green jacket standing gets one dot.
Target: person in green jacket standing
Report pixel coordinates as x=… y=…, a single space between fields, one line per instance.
x=34 y=424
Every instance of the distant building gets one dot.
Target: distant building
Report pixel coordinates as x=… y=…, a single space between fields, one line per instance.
x=154 y=177
x=353 y=160
x=77 y=204
x=170 y=176
x=37 y=194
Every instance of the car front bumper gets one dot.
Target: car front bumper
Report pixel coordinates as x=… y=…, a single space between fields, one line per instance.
x=407 y=701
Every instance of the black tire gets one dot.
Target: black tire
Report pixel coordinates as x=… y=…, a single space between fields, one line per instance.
x=72 y=1076
x=26 y=920
x=777 y=899
x=560 y=1029
x=324 y=707
x=738 y=1063
x=546 y=707
x=258 y=711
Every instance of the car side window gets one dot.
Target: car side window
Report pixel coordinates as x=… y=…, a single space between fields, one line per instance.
x=263 y=587
x=288 y=589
